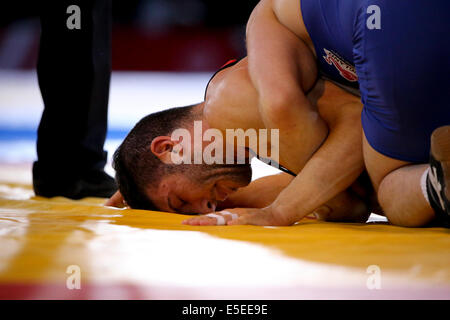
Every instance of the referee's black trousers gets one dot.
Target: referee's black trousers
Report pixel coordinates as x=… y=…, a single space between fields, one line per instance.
x=74 y=69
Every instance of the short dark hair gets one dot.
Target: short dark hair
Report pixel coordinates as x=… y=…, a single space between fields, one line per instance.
x=135 y=164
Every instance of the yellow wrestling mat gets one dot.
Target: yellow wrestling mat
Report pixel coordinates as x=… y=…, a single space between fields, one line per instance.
x=133 y=254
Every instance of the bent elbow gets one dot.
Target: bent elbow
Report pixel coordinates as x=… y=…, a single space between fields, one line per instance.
x=281 y=106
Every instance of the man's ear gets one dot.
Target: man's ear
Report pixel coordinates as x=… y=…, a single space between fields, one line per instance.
x=162 y=147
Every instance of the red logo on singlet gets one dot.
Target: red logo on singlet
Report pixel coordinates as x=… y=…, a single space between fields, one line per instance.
x=346 y=70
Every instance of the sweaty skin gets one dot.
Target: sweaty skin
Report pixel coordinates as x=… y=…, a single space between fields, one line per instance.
x=319 y=141
x=281 y=62
x=281 y=70
x=231 y=103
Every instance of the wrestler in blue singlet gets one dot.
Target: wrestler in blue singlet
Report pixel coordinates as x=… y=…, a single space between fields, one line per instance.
x=398 y=53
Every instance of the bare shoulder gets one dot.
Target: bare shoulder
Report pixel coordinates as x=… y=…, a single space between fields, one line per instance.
x=231 y=99
x=289 y=14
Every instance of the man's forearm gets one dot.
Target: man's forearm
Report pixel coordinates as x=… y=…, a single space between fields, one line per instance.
x=259 y=193
x=282 y=68
x=332 y=169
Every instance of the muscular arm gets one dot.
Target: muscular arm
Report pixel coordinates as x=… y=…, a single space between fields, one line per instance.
x=231 y=103
x=259 y=193
x=344 y=207
x=282 y=68
x=332 y=169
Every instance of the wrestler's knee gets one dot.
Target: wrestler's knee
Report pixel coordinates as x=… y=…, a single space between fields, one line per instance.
x=395 y=212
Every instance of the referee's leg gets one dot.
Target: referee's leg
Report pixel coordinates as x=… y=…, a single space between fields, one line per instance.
x=74 y=69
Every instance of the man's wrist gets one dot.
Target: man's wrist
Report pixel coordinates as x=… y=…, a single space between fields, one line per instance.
x=282 y=215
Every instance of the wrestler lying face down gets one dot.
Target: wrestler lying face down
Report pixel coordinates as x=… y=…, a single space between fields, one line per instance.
x=148 y=178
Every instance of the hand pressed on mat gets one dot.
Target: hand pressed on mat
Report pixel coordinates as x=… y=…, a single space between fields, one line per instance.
x=238 y=216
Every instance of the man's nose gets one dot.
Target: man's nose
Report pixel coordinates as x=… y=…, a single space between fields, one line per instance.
x=206 y=206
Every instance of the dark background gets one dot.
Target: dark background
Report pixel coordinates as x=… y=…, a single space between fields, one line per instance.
x=159 y=35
